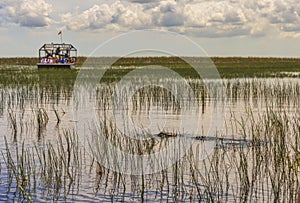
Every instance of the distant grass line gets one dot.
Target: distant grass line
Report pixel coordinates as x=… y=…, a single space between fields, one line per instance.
x=227 y=66
x=219 y=61
x=28 y=61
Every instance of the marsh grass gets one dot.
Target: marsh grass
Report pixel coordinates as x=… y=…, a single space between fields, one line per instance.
x=261 y=173
x=42 y=120
x=13 y=122
x=266 y=170
x=55 y=167
x=228 y=67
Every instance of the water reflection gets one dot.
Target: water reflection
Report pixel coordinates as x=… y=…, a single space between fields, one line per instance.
x=254 y=158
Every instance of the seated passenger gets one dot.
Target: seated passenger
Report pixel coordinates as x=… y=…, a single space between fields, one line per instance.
x=72 y=60
x=51 y=60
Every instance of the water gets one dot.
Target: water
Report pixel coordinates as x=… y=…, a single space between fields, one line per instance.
x=250 y=154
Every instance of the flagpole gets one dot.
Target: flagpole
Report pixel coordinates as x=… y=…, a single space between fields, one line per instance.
x=60 y=33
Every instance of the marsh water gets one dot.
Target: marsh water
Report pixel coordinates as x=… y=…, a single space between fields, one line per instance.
x=251 y=152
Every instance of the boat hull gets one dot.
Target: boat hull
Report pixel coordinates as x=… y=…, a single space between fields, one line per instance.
x=66 y=66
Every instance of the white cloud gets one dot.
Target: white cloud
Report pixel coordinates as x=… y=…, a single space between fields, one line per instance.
x=143 y=1
x=93 y=18
x=209 y=18
x=2 y=14
x=131 y=15
x=28 y=13
x=166 y=14
x=103 y=16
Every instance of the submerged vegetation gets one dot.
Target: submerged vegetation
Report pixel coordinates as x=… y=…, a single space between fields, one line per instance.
x=255 y=157
x=261 y=173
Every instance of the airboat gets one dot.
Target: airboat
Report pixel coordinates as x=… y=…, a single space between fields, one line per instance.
x=56 y=55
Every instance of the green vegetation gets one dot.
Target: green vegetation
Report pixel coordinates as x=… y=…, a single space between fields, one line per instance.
x=14 y=61
x=42 y=158
x=228 y=67
x=266 y=169
x=259 y=67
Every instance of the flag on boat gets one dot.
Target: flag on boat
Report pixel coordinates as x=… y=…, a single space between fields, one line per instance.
x=59 y=33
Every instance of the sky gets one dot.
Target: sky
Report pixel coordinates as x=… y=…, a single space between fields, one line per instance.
x=220 y=27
